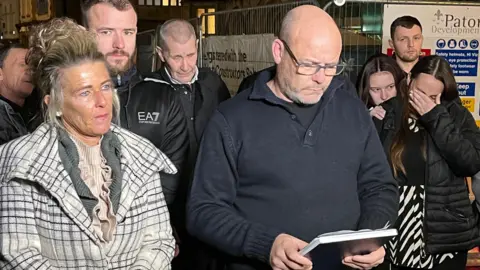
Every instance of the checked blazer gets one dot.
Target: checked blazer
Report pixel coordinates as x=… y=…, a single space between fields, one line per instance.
x=44 y=225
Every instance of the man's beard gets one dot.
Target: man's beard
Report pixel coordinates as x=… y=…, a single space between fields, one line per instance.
x=409 y=59
x=295 y=96
x=117 y=69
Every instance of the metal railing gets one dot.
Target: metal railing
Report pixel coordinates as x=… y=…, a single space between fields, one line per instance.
x=360 y=22
x=248 y=21
x=146 y=55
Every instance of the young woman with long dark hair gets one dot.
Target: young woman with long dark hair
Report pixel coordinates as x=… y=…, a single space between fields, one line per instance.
x=380 y=80
x=432 y=143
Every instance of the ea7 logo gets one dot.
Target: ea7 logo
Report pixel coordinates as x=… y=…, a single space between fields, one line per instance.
x=148 y=118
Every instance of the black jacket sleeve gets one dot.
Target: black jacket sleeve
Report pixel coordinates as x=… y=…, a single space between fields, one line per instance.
x=175 y=146
x=211 y=216
x=4 y=136
x=390 y=124
x=7 y=130
x=223 y=93
x=377 y=188
x=459 y=144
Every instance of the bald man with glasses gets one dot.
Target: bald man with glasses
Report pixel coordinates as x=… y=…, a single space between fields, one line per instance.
x=290 y=157
x=331 y=69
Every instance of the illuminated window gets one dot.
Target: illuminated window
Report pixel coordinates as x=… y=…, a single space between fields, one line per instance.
x=208 y=22
x=163 y=3
x=211 y=22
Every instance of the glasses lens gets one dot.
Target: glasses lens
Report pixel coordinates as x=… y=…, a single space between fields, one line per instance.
x=329 y=70
x=307 y=70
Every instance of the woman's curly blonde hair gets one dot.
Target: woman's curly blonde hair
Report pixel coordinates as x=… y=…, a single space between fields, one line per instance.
x=53 y=46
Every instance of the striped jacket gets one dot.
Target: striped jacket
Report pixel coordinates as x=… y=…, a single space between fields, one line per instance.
x=43 y=224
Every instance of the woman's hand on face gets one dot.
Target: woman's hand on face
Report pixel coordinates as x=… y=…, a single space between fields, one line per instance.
x=378 y=112
x=423 y=103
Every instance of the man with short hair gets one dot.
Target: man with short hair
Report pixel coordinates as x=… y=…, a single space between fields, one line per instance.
x=294 y=156
x=15 y=87
x=406 y=41
x=145 y=109
x=200 y=90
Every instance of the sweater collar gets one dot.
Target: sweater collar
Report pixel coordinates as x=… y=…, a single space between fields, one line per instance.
x=110 y=147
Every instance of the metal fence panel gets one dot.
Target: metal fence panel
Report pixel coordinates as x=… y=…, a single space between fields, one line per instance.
x=360 y=22
x=249 y=21
x=196 y=23
x=146 y=59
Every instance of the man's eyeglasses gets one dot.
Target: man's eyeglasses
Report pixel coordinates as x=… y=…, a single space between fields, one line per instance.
x=309 y=69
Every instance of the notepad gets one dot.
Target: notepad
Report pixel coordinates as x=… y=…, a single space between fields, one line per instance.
x=352 y=242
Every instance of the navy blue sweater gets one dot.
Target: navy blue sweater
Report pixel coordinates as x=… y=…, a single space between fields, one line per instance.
x=261 y=173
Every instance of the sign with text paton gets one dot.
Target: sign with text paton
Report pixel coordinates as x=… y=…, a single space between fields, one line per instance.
x=452 y=32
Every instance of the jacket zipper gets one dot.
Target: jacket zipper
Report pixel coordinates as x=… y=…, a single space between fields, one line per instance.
x=423 y=251
x=129 y=90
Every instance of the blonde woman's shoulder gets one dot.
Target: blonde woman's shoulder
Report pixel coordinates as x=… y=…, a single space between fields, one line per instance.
x=142 y=152
x=19 y=154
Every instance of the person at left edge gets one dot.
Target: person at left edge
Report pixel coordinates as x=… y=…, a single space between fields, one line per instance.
x=146 y=109
x=15 y=88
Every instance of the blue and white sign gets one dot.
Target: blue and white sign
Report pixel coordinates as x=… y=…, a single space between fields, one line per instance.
x=441 y=43
x=474 y=44
x=452 y=43
x=450 y=31
x=466 y=89
x=463 y=62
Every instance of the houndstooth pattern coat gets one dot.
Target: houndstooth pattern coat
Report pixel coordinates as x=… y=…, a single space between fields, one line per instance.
x=43 y=224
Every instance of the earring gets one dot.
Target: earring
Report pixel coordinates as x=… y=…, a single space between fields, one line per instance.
x=58 y=113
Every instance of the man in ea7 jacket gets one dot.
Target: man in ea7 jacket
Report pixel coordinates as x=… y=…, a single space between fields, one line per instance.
x=146 y=109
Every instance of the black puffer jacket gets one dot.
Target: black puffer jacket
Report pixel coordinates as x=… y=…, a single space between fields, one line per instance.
x=453 y=153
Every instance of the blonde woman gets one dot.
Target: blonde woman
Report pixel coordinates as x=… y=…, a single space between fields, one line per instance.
x=79 y=192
